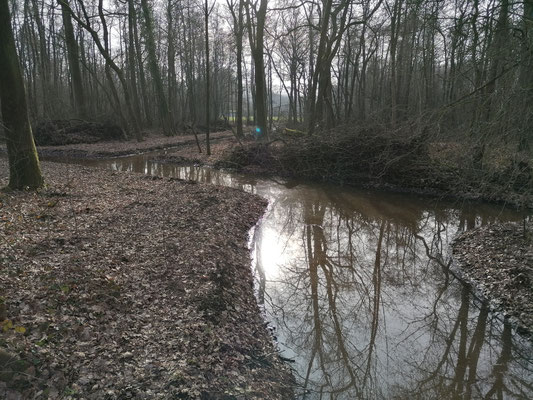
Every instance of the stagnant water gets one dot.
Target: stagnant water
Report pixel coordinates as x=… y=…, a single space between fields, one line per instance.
x=356 y=285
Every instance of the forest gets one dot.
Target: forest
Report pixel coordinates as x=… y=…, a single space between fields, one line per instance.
x=455 y=75
x=384 y=146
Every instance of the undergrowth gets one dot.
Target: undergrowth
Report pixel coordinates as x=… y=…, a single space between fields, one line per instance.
x=406 y=159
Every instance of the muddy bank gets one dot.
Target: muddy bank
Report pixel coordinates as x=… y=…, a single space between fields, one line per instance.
x=498 y=261
x=117 y=285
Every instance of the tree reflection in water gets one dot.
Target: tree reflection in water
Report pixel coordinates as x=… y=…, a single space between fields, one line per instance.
x=358 y=286
x=366 y=305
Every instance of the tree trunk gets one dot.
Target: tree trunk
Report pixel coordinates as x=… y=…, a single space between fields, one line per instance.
x=44 y=61
x=257 y=46
x=142 y=76
x=24 y=169
x=526 y=77
x=131 y=58
x=171 y=58
x=207 y=94
x=238 y=31
x=164 y=113
x=73 y=63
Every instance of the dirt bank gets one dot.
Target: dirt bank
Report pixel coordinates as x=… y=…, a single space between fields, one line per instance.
x=116 y=285
x=498 y=261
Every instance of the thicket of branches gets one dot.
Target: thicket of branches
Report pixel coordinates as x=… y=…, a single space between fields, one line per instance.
x=464 y=65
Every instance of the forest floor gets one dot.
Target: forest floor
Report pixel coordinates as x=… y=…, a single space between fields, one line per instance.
x=498 y=261
x=121 y=286
x=107 y=294
x=118 y=148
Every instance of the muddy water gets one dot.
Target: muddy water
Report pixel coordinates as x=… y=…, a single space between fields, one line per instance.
x=357 y=287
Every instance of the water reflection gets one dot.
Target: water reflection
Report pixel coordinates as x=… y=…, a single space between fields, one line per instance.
x=368 y=309
x=358 y=287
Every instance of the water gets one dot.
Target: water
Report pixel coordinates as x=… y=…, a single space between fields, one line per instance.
x=357 y=287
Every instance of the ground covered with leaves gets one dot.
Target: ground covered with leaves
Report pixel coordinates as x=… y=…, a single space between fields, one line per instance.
x=118 y=286
x=498 y=261
x=189 y=153
x=117 y=148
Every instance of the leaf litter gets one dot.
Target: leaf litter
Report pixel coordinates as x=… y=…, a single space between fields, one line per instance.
x=121 y=286
x=497 y=260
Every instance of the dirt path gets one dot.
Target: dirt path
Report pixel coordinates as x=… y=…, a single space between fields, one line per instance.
x=116 y=285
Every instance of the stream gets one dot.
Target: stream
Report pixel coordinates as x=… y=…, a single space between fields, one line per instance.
x=357 y=290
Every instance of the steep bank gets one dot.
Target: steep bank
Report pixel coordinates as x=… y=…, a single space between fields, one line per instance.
x=118 y=285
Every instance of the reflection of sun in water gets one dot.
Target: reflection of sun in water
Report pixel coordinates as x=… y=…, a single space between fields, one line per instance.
x=271 y=252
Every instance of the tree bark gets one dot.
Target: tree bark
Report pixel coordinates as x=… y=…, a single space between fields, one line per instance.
x=526 y=77
x=131 y=58
x=164 y=113
x=256 y=36
x=238 y=31
x=142 y=76
x=207 y=94
x=24 y=168
x=73 y=63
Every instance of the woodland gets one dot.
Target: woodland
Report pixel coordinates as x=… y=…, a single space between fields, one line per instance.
x=402 y=87
x=421 y=96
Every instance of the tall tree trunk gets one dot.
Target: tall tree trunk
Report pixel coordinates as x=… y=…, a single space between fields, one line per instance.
x=256 y=35
x=171 y=59
x=317 y=72
x=24 y=169
x=131 y=58
x=73 y=63
x=163 y=110
x=395 y=32
x=247 y=96
x=526 y=77
x=142 y=75
x=44 y=61
x=238 y=31
x=240 y=25
x=207 y=91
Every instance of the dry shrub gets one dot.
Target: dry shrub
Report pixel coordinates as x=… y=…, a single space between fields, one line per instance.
x=63 y=132
x=414 y=156
x=344 y=155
